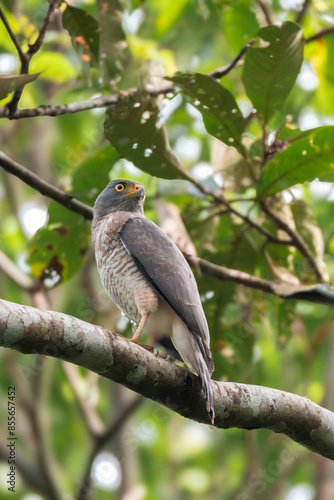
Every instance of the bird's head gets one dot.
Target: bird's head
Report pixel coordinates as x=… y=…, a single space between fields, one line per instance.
x=121 y=195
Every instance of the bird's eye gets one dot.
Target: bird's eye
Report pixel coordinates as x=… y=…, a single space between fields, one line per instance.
x=137 y=186
x=119 y=187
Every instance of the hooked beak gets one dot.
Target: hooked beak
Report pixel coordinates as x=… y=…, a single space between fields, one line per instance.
x=138 y=191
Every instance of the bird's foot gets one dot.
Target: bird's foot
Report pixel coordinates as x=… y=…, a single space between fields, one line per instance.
x=163 y=355
x=145 y=346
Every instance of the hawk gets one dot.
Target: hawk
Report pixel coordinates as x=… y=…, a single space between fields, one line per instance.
x=148 y=278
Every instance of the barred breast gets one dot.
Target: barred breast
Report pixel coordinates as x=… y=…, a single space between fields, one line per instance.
x=120 y=276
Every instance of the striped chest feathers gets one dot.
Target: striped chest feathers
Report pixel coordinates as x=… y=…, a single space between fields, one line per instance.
x=120 y=276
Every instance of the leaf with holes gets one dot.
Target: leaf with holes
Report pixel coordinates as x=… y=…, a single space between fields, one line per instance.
x=272 y=66
x=302 y=161
x=56 y=252
x=84 y=31
x=221 y=114
x=132 y=128
x=9 y=83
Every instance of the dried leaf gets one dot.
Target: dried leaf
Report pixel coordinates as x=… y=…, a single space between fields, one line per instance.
x=9 y=83
x=281 y=273
x=172 y=224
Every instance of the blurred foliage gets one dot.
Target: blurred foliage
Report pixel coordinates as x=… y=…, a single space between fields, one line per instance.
x=261 y=130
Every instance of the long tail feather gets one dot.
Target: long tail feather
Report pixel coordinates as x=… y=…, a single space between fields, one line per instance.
x=204 y=369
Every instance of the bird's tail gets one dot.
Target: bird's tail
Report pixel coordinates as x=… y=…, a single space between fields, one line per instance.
x=204 y=368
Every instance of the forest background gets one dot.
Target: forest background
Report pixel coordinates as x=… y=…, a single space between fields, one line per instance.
x=236 y=152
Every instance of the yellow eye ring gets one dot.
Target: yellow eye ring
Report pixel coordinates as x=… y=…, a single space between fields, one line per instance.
x=119 y=187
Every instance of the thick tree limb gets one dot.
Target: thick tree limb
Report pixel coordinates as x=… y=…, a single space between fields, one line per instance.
x=30 y=330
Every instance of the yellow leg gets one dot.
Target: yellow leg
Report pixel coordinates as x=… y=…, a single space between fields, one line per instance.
x=136 y=338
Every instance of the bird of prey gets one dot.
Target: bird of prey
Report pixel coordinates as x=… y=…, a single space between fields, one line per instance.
x=148 y=278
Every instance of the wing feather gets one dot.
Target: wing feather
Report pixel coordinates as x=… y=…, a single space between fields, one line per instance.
x=167 y=271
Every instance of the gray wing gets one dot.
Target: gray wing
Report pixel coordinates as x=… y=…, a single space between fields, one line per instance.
x=166 y=270
x=169 y=274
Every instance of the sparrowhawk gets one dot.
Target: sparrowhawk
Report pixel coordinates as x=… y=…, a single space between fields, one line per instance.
x=148 y=278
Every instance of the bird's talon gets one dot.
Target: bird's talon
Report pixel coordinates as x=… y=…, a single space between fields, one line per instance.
x=162 y=355
x=147 y=347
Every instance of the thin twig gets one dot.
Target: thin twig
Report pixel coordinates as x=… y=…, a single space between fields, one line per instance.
x=266 y=11
x=320 y=34
x=90 y=417
x=44 y=187
x=34 y=47
x=107 y=101
x=302 y=11
x=12 y=35
x=8 y=268
x=25 y=58
x=64 y=109
x=224 y=70
x=86 y=211
x=85 y=484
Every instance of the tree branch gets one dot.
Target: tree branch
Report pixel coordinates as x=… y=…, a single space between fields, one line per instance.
x=64 y=109
x=14 y=273
x=102 y=440
x=207 y=267
x=86 y=211
x=106 y=101
x=26 y=57
x=224 y=70
x=44 y=187
x=90 y=416
x=34 y=47
x=266 y=11
x=29 y=330
x=29 y=472
x=320 y=34
x=12 y=35
x=318 y=293
x=302 y=11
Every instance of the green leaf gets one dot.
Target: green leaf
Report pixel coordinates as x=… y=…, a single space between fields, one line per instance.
x=53 y=66
x=84 y=31
x=302 y=161
x=221 y=114
x=167 y=16
x=57 y=251
x=240 y=23
x=112 y=39
x=132 y=128
x=9 y=83
x=272 y=66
